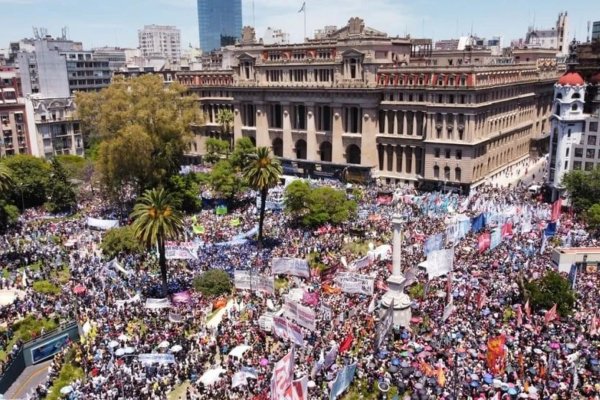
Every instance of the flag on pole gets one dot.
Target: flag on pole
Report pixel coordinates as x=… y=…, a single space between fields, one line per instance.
x=551 y=315
x=527 y=309
x=556 y=206
x=303 y=8
x=519 y=315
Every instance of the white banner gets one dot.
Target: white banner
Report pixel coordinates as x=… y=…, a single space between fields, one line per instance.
x=361 y=263
x=288 y=330
x=103 y=224
x=290 y=266
x=121 y=303
x=351 y=282
x=283 y=373
x=158 y=303
x=304 y=316
x=383 y=252
x=439 y=262
x=160 y=358
x=245 y=280
x=181 y=250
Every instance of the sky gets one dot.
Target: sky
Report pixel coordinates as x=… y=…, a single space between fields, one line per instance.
x=116 y=22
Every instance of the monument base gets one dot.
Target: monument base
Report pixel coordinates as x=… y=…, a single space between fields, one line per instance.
x=402 y=310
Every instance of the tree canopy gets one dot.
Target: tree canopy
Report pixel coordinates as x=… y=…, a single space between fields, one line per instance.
x=117 y=240
x=61 y=195
x=213 y=282
x=316 y=206
x=551 y=289
x=216 y=149
x=583 y=187
x=143 y=127
x=30 y=180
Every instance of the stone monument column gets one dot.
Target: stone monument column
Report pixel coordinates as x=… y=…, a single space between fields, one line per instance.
x=395 y=293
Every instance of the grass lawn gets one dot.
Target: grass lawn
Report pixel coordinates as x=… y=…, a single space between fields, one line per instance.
x=69 y=373
x=178 y=391
x=359 y=391
x=26 y=329
x=359 y=248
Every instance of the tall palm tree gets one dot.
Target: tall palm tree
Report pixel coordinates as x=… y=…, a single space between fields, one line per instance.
x=225 y=119
x=156 y=220
x=262 y=173
x=6 y=180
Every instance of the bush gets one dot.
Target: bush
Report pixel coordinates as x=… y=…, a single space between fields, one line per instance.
x=69 y=373
x=549 y=290
x=214 y=282
x=117 y=240
x=46 y=287
x=416 y=291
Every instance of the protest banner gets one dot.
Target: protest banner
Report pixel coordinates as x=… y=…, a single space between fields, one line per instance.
x=290 y=266
x=384 y=326
x=181 y=250
x=246 y=280
x=103 y=224
x=439 y=263
x=351 y=282
x=343 y=380
x=288 y=330
x=160 y=358
x=304 y=316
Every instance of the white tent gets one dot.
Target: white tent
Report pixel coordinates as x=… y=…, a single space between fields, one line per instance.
x=239 y=351
x=211 y=376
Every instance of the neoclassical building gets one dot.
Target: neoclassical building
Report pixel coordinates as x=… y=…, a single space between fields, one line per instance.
x=364 y=104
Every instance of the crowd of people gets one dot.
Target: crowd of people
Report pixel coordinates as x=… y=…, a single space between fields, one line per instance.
x=443 y=354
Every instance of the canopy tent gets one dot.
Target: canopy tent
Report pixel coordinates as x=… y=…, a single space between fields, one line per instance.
x=211 y=376
x=239 y=351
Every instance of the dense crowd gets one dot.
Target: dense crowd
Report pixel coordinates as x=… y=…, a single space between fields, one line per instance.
x=441 y=355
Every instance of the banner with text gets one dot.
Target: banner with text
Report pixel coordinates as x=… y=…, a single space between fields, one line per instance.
x=290 y=266
x=304 y=316
x=245 y=280
x=288 y=330
x=181 y=250
x=351 y=282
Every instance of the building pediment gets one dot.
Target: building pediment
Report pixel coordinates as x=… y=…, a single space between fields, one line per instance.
x=246 y=57
x=352 y=53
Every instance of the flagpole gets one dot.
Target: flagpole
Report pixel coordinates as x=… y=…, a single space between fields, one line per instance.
x=304 y=39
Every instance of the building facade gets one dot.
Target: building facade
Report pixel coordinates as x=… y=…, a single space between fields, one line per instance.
x=85 y=73
x=556 y=37
x=13 y=122
x=160 y=40
x=596 y=30
x=360 y=101
x=219 y=23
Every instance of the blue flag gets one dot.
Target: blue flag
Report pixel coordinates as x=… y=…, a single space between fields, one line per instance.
x=496 y=238
x=550 y=229
x=478 y=223
x=433 y=242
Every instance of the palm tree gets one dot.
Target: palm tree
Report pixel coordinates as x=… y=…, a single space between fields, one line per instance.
x=6 y=180
x=156 y=220
x=263 y=172
x=225 y=119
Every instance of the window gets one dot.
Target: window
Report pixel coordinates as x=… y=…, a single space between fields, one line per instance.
x=323 y=118
x=275 y=116
x=352 y=120
x=591 y=140
x=592 y=128
x=566 y=165
x=578 y=152
x=447 y=153
x=457 y=174
x=436 y=152
x=567 y=152
x=589 y=166
x=440 y=98
x=577 y=165
x=574 y=107
x=436 y=171
x=248 y=115
x=446 y=173
x=459 y=154
x=590 y=153
x=299 y=117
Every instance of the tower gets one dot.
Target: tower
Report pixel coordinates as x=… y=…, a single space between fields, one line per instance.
x=567 y=123
x=562 y=33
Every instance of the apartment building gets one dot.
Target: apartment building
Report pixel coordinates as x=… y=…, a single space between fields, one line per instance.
x=357 y=102
x=13 y=122
x=160 y=40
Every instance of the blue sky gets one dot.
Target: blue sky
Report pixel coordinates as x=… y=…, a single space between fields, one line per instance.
x=115 y=22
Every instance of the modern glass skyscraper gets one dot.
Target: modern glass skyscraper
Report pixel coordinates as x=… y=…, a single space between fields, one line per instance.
x=220 y=23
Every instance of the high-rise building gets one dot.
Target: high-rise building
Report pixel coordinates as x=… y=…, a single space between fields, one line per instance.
x=13 y=122
x=219 y=22
x=556 y=37
x=596 y=31
x=160 y=41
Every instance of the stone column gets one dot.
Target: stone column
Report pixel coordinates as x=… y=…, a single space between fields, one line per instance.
x=288 y=141
x=414 y=124
x=413 y=160
x=311 y=133
x=237 y=122
x=337 y=129
x=397 y=246
x=368 y=139
x=396 y=122
x=262 y=126
x=386 y=124
x=394 y=158
x=404 y=127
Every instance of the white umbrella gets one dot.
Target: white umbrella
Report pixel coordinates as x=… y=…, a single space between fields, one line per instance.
x=211 y=376
x=122 y=337
x=176 y=348
x=164 y=344
x=119 y=352
x=113 y=343
x=66 y=389
x=239 y=351
x=129 y=350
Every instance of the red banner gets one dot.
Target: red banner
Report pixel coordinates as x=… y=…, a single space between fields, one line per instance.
x=495 y=354
x=507 y=229
x=556 y=206
x=484 y=242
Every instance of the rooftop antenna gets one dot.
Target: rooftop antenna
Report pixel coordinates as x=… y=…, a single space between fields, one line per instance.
x=253 y=17
x=36 y=33
x=587 y=38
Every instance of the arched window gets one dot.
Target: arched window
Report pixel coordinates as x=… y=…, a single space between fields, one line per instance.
x=325 y=150
x=457 y=174
x=353 y=154
x=574 y=107
x=301 y=149
x=559 y=96
x=447 y=173
x=277 y=147
x=436 y=171
x=557 y=112
x=576 y=96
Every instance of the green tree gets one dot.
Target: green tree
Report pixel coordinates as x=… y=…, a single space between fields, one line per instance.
x=242 y=153
x=120 y=240
x=224 y=181
x=74 y=166
x=551 y=289
x=592 y=217
x=583 y=187
x=215 y=150
x=156 y=220
x=61 y=196
x=186 y=191
x=6 y=180
x=296 y=197
x=262 y=174
x=30 y=177
x=214 y=282
x=225 y=119
x=141 y=111
x=328 y=205
x=9 y=214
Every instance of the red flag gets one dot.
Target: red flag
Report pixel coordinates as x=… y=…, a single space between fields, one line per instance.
x=507 y=229
x=593 y=325
x=484 y=242
x=519 y=315
x=556 y=206
x=495 y=354
x=550 y=315
x=346 y=343
x=527 y=309
x=481 y=299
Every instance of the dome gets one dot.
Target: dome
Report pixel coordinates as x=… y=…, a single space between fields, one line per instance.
x=571 y=79
x=595 y=79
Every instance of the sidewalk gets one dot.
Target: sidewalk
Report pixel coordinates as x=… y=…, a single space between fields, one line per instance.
x=522 y=170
